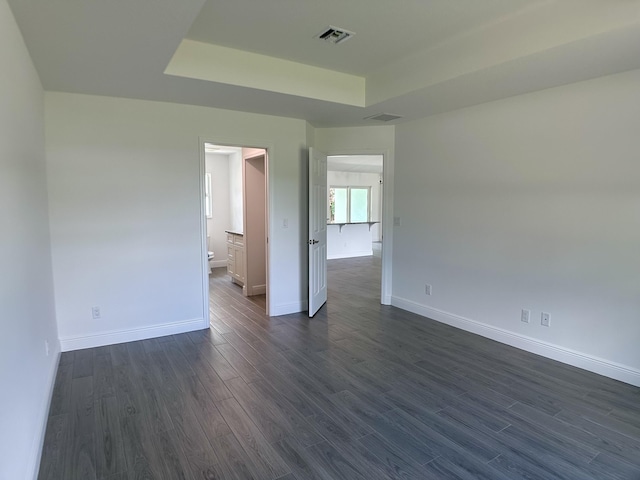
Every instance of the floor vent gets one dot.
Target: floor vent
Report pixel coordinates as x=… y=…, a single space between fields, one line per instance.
x=335 y=35
x=383 y=117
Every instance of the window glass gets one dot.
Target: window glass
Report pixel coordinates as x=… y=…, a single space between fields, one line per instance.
x=359 y=204
x=338 y=204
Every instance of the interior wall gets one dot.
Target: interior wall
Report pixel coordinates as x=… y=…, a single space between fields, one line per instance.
x=236 y=212
x=354 y=140
x=26 y=285
x=255 y=234
x=218 y=166
x=124 y=180
x=530 y=202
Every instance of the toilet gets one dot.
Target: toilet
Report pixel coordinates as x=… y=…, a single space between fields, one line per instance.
x=210 y=260
x=209 y=255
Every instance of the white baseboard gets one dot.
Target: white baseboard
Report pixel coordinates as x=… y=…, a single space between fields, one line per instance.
x=287 y=308
x=257 y=290
x=121 y=336
x=361 y=253
x=565 y=355
x=43 y=416
x=218 y=263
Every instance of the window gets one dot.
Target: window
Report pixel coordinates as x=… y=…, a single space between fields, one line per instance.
x=349 y=204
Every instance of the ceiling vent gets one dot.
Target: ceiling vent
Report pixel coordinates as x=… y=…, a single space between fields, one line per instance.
x=335 y=35
x=383 y=117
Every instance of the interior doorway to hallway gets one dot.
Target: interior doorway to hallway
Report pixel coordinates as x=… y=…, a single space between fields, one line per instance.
x=354 y=214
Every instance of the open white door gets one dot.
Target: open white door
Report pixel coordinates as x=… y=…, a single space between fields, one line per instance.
x=317 y=230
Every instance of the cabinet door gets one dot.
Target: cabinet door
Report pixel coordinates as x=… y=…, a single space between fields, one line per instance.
x=231 y=260
x=239 y=263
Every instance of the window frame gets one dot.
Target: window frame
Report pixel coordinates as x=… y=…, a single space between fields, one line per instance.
x=349 y=188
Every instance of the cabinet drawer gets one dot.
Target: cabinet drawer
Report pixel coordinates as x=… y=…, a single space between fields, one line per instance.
x=229 y=237
x=238 y=240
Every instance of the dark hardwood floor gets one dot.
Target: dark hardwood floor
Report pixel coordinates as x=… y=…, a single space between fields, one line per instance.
x=362 y=391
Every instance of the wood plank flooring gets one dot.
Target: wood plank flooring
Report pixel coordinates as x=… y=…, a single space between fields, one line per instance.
x=362 y=391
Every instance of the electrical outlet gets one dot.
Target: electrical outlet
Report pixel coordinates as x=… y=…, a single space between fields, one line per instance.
x=397 y=221
x=46 y=347
x=545 y=319
x=427 y=289
x=95 y=313
x=285 y=223
x=525 y=316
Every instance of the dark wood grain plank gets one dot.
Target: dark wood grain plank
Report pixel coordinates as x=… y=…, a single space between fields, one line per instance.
x=83 y=363
x=582 y=432
x=55 y=444
x=201 y=404
x=252 y=440
x=398 y=435
x=176 y=466
x=103 y=376
x=61 y=398
x=275 y=422
x=302 y=462
x=142 y=459
x=463 y=468
x=110 y=457
x=205 y=465
x=80 y=456
x=119 y=354
x=234 y=461
x=240 y=364
x=610 y=467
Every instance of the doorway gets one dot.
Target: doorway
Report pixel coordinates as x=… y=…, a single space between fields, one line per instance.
x=236 y=196
x=356 y=202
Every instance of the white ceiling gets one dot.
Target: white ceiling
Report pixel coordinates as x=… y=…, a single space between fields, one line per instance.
x=413 y=58
x=221 y=149
x=355 y=163
x=385 y=30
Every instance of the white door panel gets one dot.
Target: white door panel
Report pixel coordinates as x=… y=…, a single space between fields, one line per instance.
x=317 y=230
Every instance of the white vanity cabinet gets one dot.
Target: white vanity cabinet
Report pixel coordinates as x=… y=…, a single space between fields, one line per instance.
x=235 y=257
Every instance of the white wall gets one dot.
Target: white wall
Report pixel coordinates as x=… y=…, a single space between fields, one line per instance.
x=26 y=289
x=218 y=166
x=355 y=140
x=126 y=212
x=349 y=241
x=255 y=235
x=236 y=212
x=354 y=179
x=530 y=202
